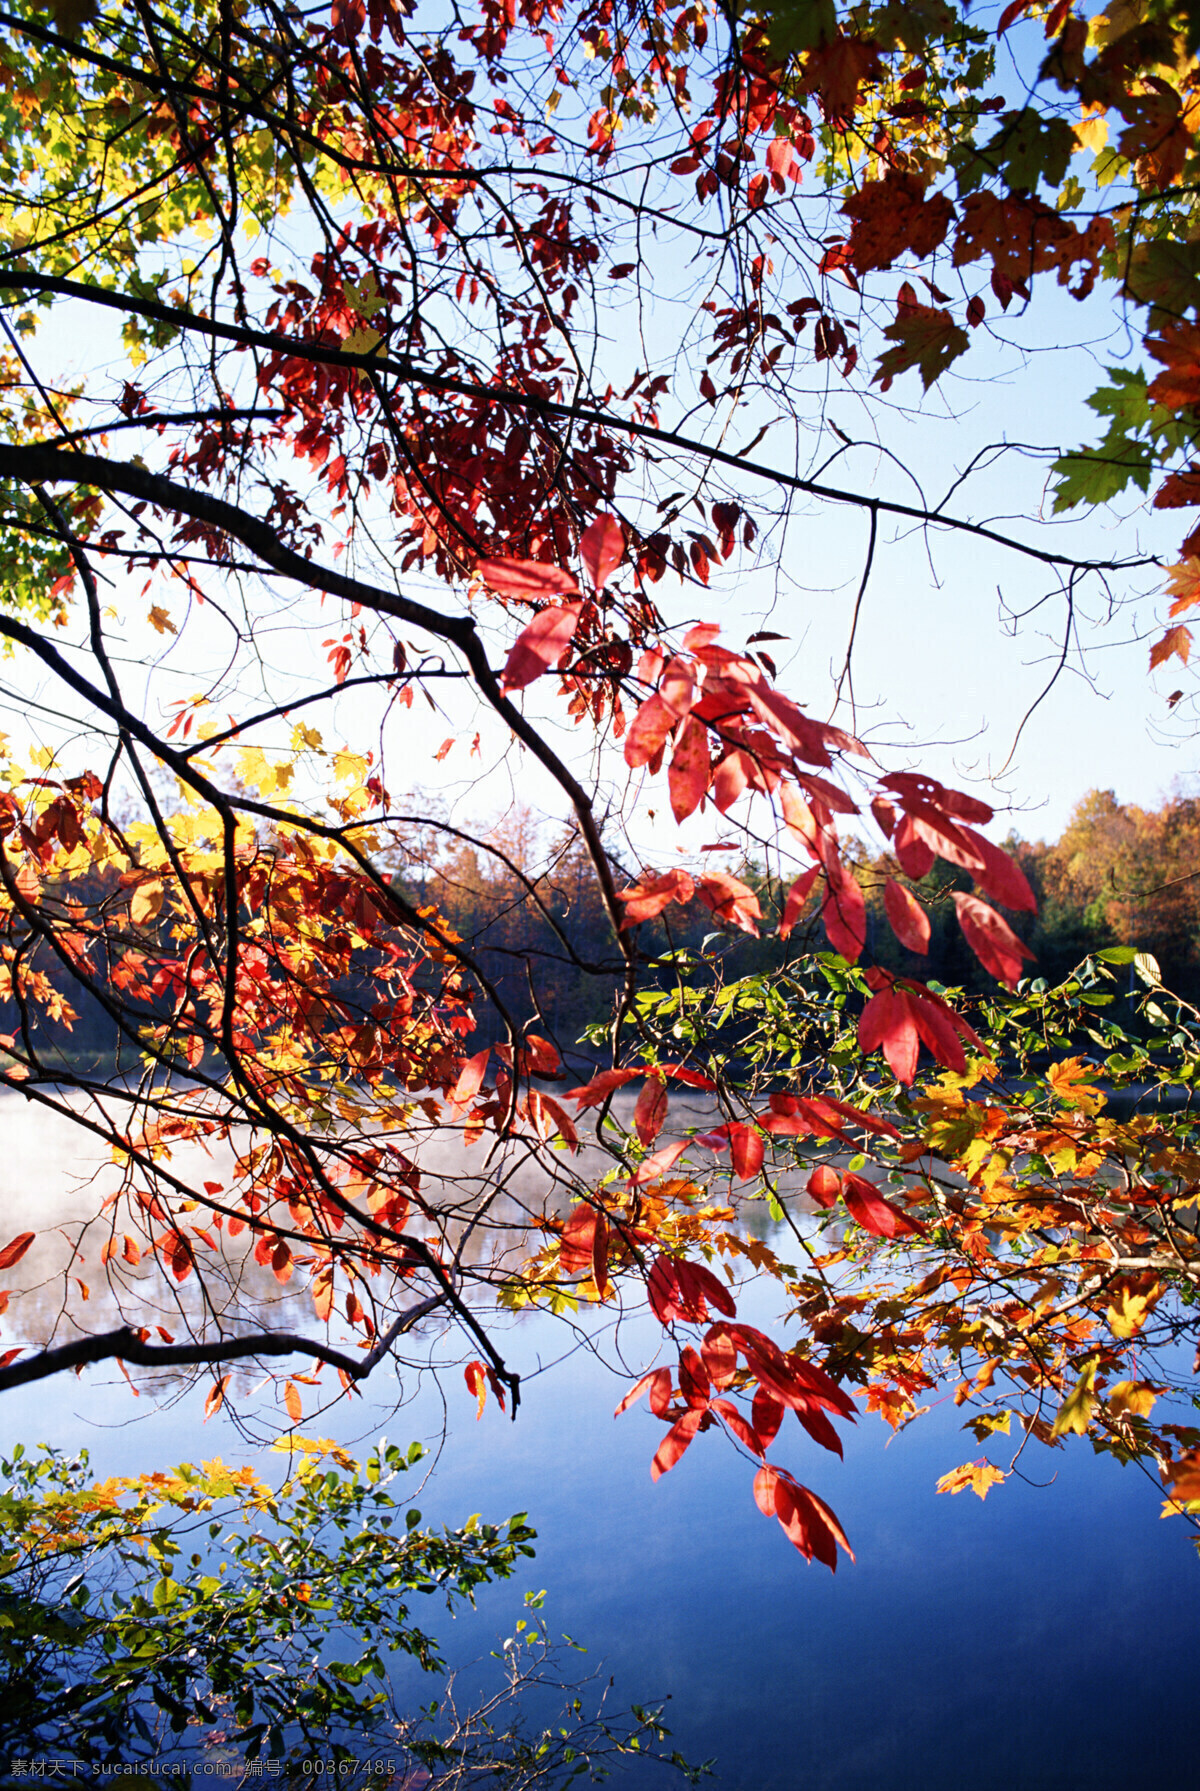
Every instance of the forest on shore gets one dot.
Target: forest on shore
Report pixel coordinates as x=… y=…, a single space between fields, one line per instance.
x=521 y=898
x=1117 y=875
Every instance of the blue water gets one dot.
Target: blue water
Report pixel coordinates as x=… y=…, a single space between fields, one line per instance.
x=1045 y=1638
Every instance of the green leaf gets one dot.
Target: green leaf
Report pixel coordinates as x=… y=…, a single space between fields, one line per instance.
x=1029 y=147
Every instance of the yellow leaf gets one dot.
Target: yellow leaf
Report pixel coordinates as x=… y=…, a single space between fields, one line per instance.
x=980 y=1476
x=146 y=902
x=1092 y=132
x=1131 y=1396
x=1078 y=1406
x=158 y=618
x=349 y=767
x=361 y=340
x=1129 y=1310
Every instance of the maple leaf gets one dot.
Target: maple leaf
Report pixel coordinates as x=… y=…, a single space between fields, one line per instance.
x=892 y=217
x=1176 y=642
x=1070 y=1079
x=160 y=619
x=927 y=339
x=1129 y=1309
x=1029 y=147
x=1075 y=1413
x=980 y=1476
x=1179 y=490
x=1183 y=584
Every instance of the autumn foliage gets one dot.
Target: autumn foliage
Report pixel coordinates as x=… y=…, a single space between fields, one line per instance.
x=368 y=271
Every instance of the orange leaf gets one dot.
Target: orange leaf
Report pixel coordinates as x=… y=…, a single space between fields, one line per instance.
x=14 y=1251
x=216 y=1397
x=291 y=1399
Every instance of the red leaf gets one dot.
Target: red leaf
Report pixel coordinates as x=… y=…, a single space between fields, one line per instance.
x=844 y=912
x=738 y=1425
x=1001 y=876
x=658 y=1164
x=888 y=1021
x=730 y=899
x=647 y=899
x=867 y=1206
x=475 y=1376
x=808 y=1523
x=602 y=548
x=720 y=1357
x=694 y=1383
x=544 y=643
x=797 y=897
x=991 y=939
x=730 y=779
x=658 y=1382
x=824 y=1185
x=597 y=1091
x=470 y=1080
x=915 y=855
x=648 y=731
x=690 y=769
x=766 y=1414
x=529 y=579
x=584 y=1232
x=674 y=1444
x=746 y=1151
x=651 y=1110
x=819 y=1428
x=684 y=1290
x=14 y=1251
x=909 y=921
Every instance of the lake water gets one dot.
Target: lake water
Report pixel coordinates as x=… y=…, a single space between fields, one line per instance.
x=1045 y=1638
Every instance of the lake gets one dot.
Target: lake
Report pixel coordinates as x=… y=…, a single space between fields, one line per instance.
x=1045 y=1638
